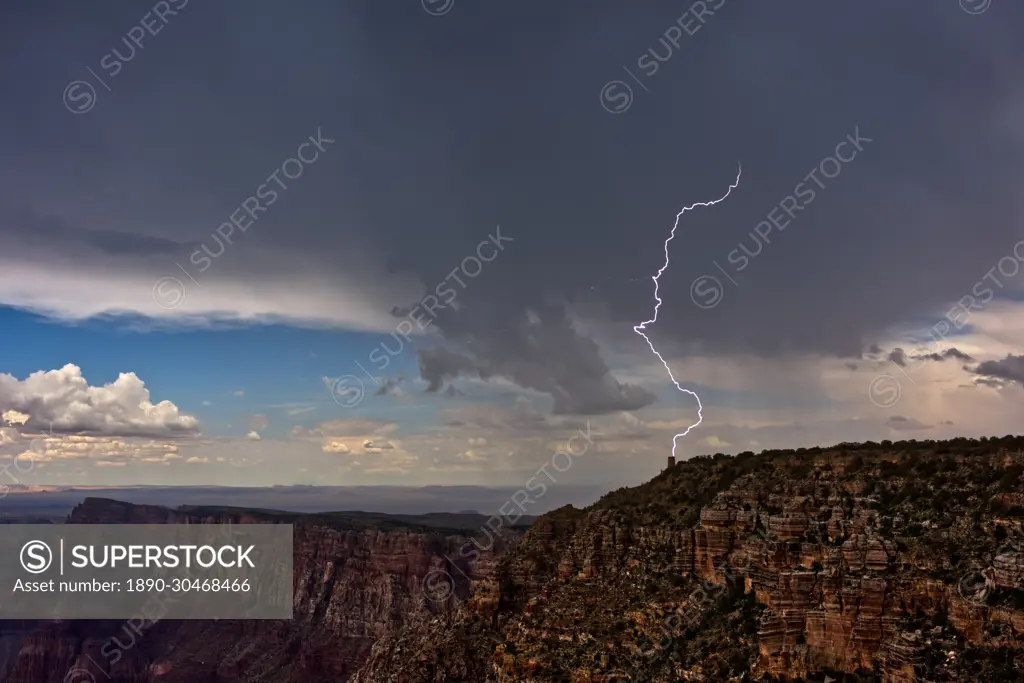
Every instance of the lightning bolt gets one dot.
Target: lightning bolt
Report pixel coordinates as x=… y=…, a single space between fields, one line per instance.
x=639 y=329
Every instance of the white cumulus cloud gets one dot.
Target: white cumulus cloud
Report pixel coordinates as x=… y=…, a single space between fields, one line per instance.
x=64 y=399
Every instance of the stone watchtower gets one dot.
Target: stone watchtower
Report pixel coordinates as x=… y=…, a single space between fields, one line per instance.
x=671 y=462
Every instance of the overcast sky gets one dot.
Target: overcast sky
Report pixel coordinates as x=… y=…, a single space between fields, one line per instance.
x=409 y=242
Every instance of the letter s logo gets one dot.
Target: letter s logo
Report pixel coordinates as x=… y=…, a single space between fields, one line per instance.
x=36 y=557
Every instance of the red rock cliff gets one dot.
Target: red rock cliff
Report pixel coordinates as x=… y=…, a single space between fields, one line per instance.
x=895 y=565
x=351 y=587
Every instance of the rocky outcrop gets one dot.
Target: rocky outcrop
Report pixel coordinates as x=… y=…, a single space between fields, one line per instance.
x=351 y=587
x=890 y=564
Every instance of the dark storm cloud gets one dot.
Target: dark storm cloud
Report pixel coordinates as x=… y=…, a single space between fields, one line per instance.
x=1009 y=369
x=29 y=227
x=948 y=353
x=448 y=126
x=539 y=350
x=389 y=385
x=592 y=202
x=439 y=364
x=899 y=357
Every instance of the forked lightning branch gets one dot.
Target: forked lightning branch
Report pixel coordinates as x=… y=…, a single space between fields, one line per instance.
x=639 y=329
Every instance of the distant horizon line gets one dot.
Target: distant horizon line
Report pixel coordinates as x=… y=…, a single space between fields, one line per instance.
x=41 y=488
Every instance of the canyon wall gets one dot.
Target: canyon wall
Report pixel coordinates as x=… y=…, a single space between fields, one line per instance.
x=351 y=587
x=892 y=566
